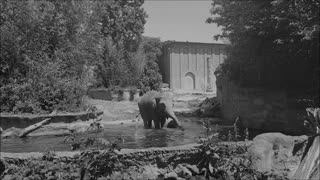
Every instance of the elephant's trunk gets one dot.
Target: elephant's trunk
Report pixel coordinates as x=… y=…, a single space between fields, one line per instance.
x=173 y=116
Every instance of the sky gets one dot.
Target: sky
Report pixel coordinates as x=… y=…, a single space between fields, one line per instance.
x=179 y=20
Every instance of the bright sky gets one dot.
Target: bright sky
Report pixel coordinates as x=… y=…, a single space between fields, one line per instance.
x=179 y=20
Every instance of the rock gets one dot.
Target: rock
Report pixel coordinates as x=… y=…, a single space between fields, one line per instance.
x=171 y=176
x=150 y=172
x=269 y=148
x=193 y=168
x=172 y=124
x=1 y=130
x=182 y=171
x=210 y=107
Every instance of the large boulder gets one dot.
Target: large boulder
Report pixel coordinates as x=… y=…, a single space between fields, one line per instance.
x=269 y=151
x=171 y=175
x=210 y=107
x=150 y=172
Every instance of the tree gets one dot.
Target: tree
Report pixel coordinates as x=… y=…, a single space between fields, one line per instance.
x=122 y=23
x=273 y=43
x=150 y=78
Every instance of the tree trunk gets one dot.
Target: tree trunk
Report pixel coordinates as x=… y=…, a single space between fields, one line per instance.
x=309 y=168
x=34 y=127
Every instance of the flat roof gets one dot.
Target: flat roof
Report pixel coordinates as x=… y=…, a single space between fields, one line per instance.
x=187 y=42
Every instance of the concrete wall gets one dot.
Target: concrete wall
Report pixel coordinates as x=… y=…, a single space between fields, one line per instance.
x=261 y=109
x=186 y=65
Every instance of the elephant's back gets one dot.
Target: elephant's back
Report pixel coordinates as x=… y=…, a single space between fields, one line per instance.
x=147 y=99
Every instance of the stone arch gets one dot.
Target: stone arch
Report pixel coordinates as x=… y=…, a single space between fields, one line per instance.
x=189 y=81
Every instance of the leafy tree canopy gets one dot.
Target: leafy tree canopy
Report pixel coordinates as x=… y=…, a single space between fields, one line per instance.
x=274 y=43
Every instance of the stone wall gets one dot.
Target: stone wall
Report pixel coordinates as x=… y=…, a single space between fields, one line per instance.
x=261 y=109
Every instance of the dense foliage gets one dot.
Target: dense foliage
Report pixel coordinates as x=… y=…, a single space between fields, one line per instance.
x=273 y=43
x=48 y=47
x=215 y=161
x=122 y=25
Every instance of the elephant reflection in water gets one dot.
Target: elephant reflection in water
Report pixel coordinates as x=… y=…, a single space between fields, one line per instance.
x=155 y=138
x=157 y=107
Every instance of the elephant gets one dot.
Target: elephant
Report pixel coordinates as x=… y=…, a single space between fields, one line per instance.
x=158 y=107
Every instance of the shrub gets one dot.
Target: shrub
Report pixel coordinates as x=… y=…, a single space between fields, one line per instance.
x=132 y=91
x=46 y=91
x=151 y=79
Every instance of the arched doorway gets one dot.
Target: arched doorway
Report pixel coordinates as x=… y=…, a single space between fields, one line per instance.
x=189 y=81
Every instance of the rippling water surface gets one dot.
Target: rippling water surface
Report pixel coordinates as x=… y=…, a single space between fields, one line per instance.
x=134 y=135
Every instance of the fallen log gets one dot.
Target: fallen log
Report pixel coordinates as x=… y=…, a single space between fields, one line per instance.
x=34 y=127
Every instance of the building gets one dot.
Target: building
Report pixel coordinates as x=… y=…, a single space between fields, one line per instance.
x=191 y=66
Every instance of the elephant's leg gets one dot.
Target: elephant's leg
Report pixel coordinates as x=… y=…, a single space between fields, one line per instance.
x=146 y=120
x=163 y=121
x=149 y=123
x=157 y=123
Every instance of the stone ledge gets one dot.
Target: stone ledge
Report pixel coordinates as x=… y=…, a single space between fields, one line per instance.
x=124 y=152
x=23 y=121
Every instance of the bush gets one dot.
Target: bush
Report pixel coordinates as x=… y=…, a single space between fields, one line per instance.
x=47 y=91
x=132 y=92
x=151 y=79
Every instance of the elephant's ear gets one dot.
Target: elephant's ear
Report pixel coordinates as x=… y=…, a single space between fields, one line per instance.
x=157 y=100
